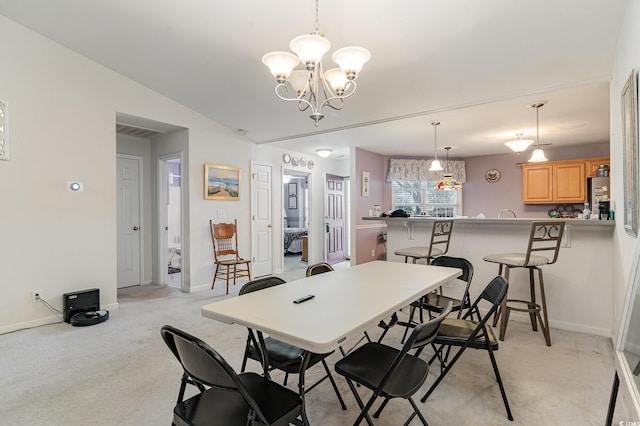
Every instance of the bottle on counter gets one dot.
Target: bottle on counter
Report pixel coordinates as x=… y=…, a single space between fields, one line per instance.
x=586 y=212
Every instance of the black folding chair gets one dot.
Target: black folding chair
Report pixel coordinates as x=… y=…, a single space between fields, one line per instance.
x=225 y=397
x=280 y=355
x=390 y=372
x=434 y=302
x=466 y=333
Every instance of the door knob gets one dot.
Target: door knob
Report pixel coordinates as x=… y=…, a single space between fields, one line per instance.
x=269 y=226
x=135 y=228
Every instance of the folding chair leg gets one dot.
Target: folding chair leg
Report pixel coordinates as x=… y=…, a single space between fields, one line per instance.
x=363 y=412
x=444 y=373
x=379 y=410
x=333 y=383
x=416 y=412
x=502 y=391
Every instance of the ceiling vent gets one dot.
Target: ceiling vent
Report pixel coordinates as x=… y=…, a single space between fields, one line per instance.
x=139 y=132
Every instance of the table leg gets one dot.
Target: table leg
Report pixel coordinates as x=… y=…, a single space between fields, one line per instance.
x=264 y=355
x=303 y=368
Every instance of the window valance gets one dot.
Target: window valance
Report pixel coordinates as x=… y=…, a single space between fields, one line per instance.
x=418 y=170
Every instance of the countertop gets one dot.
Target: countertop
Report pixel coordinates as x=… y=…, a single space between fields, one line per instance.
x=495 y=221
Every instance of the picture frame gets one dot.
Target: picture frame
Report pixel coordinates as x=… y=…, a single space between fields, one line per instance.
x=293 y=189
x=366 y=182
x=629 y=99
x=221 y=182
x=293 y=203
x=4 y=124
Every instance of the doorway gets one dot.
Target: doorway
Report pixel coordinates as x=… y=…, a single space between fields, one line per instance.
x=170 y=219
x=296 y=196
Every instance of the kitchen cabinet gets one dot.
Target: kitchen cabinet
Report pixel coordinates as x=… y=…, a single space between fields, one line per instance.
x=554 y=182
x=594 y=163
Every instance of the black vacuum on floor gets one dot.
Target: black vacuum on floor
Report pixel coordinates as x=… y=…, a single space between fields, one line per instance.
x=81 y=308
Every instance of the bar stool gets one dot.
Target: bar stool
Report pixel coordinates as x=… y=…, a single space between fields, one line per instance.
x=544 y=237
x=438 y=244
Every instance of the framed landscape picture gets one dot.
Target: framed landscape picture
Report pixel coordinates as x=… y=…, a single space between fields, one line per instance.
x=221 y=182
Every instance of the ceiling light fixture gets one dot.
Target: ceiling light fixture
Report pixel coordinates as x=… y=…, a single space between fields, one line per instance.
x=324 y=152
x=448 y=183
x=538 y=154
x=435 y=164
x=518 y=145
x=315 y=87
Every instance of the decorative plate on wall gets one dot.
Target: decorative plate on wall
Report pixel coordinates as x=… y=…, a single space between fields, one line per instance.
x=303 y=162
x=286 y=158
x=295 y=161
x=310 y=164
x=492 y=175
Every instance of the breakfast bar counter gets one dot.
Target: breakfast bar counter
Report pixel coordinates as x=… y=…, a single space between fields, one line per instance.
x=574 y=284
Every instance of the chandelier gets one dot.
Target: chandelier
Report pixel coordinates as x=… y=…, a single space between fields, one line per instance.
x=518 y=145
x=538 y=154
x=448 y=183
x=316 y=88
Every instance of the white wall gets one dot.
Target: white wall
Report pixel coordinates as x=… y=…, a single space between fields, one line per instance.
x=627 y=58
x=62 y=128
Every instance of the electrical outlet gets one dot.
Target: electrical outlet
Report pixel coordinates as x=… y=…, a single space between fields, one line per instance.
x=373 y=253
x=36 y=295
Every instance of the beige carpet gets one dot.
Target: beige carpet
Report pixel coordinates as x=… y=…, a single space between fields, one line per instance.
x=121 y=373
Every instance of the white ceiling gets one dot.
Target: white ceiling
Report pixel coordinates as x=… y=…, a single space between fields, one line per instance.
x=473 y=65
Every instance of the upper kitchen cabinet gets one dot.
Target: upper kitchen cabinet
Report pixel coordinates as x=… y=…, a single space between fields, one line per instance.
x=554 y=182
x=594 y=163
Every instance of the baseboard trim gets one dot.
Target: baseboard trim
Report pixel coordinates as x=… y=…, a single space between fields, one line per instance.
x=51 y=319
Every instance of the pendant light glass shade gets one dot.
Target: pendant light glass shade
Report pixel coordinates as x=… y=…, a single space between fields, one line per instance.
x=448 y=183
x=538 y=154
x=518 y=145
x=435 y=164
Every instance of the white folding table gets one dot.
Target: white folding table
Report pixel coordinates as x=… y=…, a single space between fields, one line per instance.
x=346 y=303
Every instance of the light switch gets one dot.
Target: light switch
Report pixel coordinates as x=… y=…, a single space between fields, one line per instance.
x=220 y=213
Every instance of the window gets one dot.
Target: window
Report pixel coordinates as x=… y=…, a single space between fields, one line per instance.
x=419 y=198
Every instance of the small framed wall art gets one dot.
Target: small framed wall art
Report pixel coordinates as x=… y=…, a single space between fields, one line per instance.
x=366 y=182
x=221 y=182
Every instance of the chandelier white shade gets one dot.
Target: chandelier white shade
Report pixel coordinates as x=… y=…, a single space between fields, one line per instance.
x=435 y=164
x=315 y=88
x=537 y=156
x=518 y=145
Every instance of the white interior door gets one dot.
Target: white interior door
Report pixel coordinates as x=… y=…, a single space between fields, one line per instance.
x=261 y=220
x=129 y=231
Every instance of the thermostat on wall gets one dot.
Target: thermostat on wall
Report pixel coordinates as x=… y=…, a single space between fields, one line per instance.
x=75 y=186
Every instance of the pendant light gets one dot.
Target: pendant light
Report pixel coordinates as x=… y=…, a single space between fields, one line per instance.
x=518 y=145
x=538 y=154
x=448 y=183
x=435 y=164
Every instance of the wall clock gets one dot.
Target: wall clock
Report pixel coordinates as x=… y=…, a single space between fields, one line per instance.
x=492 y=175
